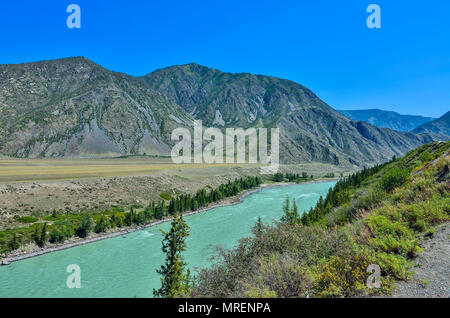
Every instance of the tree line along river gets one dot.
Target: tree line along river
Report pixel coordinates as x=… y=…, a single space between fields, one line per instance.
x=125 y=266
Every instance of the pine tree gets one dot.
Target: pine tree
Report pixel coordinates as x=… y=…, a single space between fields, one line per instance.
x=148 y=213
x=174 y=282
x=128 y=219
x=290 y=216
x=258 y=227
x=35 y=235
x=295 y=216
x=14 y=243
x=286 y=210
x=85 y=226
x=101 y=226
x=56 y=237
x=43 y=236
x=194 y=205
x=160 y=210
x=171 y=209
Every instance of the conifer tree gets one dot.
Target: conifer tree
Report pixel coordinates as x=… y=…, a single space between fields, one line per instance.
x=171 y=209
x=42 y=238
x=286 y=210
x=14 y=243
x=160 y=210
x=290 y=216
x=258 y=227
x=101 y=226
x=174 y=280
x=295 y=216
x=85 y=226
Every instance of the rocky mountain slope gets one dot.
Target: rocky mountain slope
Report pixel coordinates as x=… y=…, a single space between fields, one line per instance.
x=438 y=126
x=386 y=119
x=75 y=108
x=310 y=129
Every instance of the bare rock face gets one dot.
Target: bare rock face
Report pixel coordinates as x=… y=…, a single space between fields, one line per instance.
x=310 y=129
x=75 y=108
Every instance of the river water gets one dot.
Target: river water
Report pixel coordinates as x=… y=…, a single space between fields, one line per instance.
x=125 y=266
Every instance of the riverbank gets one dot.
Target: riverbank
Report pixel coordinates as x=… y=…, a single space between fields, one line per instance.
x=32 y=250
x=125 y=266
x=51 y=186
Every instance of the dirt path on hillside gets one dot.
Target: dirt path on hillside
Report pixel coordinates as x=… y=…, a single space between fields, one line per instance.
x=432 y=275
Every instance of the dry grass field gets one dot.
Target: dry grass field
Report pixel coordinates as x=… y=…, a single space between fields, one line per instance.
x=14 y=170
x=39 y=186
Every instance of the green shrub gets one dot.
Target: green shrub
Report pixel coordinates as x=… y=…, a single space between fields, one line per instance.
x=393 y=178
x=56 y=236
x=382 y=225
x=425 y=157
x=430 y=233
x=117 y=220
x=278 y=177
x=343 y=275
x=283 y=274
x=102 y=225
x=14 y=243
x=40 y=234
x=394 y=265
x=25 y=219
x=419 y=226
x=373 y=197
x=85 y=226
x=339 y=216
x=165 y=196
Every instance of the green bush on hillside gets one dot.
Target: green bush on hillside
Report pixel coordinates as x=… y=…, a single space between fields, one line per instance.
x=102 y=225
x=14 y=243
x=165 y=196
x=56 y=236
x=85 y=226
x=25 y=219
x=393 y=178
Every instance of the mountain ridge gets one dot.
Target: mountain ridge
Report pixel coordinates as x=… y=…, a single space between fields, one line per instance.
x=440 y=125
x=387 y=119
x=74 y=107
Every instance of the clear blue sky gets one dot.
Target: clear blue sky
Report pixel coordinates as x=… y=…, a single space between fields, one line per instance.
x=324 y=45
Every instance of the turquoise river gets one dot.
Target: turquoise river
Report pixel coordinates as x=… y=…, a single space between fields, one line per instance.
x=125 y=266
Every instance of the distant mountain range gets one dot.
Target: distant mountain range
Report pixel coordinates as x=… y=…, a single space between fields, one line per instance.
x=438 y=126
x=387 y=119
x=75 y=108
